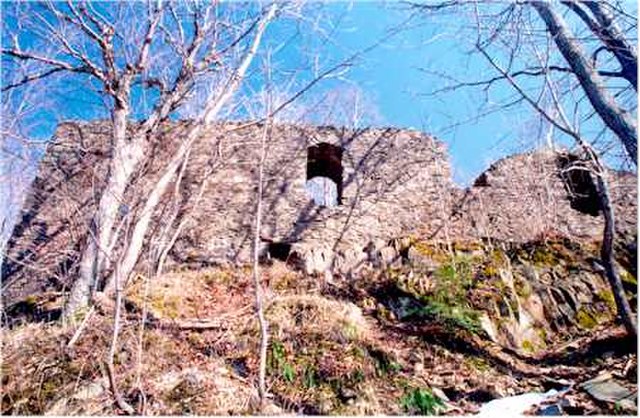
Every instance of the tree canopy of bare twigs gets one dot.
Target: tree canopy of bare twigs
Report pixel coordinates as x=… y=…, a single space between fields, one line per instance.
x=583 y=52
x=570 y=79
x=146 y=62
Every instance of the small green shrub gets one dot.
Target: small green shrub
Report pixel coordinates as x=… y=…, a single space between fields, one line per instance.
x=277 y=362
x=449 y=303
x=288 y=372
x=421 y=402
x=453 y=316
x=309 y=377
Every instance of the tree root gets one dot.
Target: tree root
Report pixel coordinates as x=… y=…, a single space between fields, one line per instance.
x=187 y=324
x=581 y=350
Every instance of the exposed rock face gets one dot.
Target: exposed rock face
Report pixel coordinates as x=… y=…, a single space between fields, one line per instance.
x=525 y=296
x=387 y=183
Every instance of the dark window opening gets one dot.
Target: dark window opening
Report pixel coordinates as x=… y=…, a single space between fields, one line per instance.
x=579 y=184
x=481 y=181
x=279 y=251
x=324 y=174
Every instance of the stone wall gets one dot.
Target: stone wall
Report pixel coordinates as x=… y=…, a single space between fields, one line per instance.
x=396 y=186
x=392 y=182
x=530 y=195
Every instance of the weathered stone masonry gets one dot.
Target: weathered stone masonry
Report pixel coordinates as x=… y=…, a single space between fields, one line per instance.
x=392 y=184
x=387 y=183
x=390 y=180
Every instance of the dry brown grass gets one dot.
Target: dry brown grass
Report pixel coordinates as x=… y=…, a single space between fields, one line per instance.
x=327 y=355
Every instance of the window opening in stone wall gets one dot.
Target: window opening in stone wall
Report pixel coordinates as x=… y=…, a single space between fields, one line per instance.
x=324 y=174
x=279 y=250
x=578 y=181
x=283 y=251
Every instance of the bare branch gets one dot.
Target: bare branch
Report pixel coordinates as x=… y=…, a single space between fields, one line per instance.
x=39 y=76
x=616 y=118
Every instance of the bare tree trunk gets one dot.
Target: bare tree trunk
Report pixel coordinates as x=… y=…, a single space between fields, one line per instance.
x=165 y=234
x=264 y=325
x=117 y=396
x=616 y=118
x=127 y=155
x=164 y=252
x=616 y=43
x=132 y=251
x=606 y=255
x=122 y=404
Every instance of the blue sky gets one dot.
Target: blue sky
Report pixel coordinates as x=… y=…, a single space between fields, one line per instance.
x=392 y=80
x=397 y=79
x=392 y=76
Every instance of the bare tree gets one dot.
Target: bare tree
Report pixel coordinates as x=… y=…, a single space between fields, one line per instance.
x=507 y=35
x=259 y=291
x=212 y=107
x=589 y=57
x=615 y=117
x=144 y=61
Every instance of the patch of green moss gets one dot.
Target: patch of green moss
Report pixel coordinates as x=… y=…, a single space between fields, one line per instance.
x=165 y=306
x=607 y=297
x=522 y=287
x=528 y=346
x=196 y=339
x=467 y=246
x=542 y=333
x=627 y=277
x=444 y=295
x=349 y=331
x=284 y=281
x=432 y=251
x=31 y=301
x=586 y=319
x=217 y=277
x=477 y=363
x=489 y=270
x=544 y=256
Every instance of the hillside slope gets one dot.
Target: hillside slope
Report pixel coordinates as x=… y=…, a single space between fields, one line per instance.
x=445 y=331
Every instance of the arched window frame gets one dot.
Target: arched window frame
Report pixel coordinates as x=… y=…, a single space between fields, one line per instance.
x=325 y=160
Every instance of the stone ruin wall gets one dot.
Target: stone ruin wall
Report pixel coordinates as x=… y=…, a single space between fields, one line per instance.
x=542 y=193
x=396 y=183
x=393 y=181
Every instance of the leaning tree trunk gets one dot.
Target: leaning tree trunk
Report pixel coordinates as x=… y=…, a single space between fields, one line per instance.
x=606 y=255
x=127 y=154
x=212 y=109
x=133 y=249
x=258 y=291
x=616 y=43
x=616 y=118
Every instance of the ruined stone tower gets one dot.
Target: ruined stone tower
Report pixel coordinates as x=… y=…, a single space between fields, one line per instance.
x=329 y=195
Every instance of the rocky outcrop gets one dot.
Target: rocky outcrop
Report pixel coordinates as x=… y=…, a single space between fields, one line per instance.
x=522 y=296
